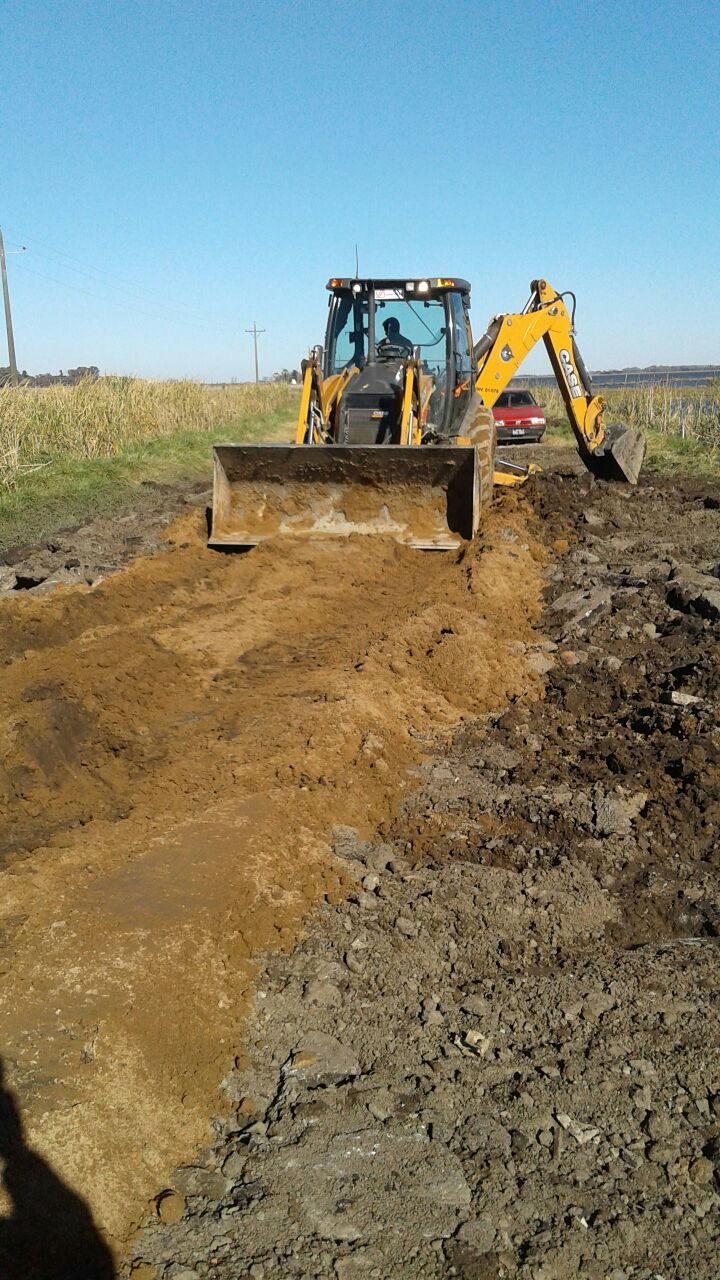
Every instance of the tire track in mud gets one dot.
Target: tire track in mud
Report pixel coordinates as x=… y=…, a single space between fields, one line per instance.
x=177 y=745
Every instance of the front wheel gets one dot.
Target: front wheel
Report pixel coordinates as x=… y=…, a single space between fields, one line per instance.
x=480 y=431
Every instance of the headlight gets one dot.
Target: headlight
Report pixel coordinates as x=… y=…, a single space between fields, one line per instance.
x=423 y=287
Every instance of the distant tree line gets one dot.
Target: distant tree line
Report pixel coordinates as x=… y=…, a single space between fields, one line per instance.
x=84 y=372
x=287 y=375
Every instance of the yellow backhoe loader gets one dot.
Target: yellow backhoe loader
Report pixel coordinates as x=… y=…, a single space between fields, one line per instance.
x=395 y=431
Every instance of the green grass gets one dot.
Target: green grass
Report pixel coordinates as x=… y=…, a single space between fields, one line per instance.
x=689 y=456
x=71 y=491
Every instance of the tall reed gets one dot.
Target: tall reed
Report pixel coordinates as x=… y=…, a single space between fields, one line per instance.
x=692 y=413
x=40 y=426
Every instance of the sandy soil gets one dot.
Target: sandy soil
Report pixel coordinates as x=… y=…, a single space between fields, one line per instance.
x=178 y=742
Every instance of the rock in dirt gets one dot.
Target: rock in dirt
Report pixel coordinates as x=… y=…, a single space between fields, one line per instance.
x=322 y=1059
x=540 y=662
x=569 y=601
x=60 y=578
x=170 y=1207
x=593 y=517
x=616 y=812
x=693 y=591
x=478 y=1234
x=407 y=927
x=585 y=607
x=679 y=698
x=582 y=1133
x=358 y=1266
x=323 y=993
x=193 y=1181
x=593 y=607
x=233 y=1165
x=328 y=1226
x=701 y=1170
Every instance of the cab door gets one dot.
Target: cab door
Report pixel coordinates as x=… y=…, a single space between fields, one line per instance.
x=462 y=374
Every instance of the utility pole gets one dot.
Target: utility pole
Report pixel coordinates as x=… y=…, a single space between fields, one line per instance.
x=255 y=331
x=8 y=317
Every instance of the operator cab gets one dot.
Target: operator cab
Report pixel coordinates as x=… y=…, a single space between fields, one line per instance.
x=375 y=326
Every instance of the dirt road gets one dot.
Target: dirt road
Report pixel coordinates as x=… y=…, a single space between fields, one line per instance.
x=476 y=1036
x=498 y=1057
x=178 y=742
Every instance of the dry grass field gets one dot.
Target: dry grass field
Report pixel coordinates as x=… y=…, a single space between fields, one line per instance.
x=40 y=426
x=69 y=454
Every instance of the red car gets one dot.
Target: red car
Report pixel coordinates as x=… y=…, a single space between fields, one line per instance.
x=518 y=418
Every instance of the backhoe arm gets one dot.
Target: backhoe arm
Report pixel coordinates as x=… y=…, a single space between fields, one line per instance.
x=611 y=452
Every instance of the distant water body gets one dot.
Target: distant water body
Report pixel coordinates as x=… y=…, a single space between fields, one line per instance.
x=677 y=376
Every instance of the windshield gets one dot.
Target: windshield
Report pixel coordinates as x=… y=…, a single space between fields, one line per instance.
x=514 y=400
x=400 y=325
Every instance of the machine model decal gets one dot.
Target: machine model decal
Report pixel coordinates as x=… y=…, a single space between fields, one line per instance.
x=573 y=382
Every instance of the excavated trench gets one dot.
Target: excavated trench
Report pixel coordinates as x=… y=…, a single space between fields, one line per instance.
x=179 y=740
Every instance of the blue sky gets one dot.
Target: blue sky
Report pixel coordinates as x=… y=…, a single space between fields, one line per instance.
x=178 y=170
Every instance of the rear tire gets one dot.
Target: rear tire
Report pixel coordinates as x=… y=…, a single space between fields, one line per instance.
x=482 y=433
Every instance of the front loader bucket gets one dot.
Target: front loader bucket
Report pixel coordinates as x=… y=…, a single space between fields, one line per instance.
x=425 y=497
x=620 y=456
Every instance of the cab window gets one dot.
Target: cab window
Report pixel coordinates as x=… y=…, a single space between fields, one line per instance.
x=463 y=372
x=421 y=323
x=348 y=331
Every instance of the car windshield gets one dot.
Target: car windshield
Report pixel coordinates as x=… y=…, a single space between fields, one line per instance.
x=400 y=325
x=515 y=400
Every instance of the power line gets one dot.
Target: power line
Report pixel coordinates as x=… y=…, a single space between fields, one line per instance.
x=65 y=260
x=117 y=302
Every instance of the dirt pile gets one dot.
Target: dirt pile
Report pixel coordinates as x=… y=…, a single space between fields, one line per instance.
x=177 y=743
x=498 y=1057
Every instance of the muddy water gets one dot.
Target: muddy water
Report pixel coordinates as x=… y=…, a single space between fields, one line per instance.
x=177 y=745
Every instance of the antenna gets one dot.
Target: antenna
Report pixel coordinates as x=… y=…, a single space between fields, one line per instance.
x=357 y=265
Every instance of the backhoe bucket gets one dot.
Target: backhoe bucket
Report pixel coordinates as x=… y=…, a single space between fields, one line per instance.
x=427 y=497
x=620 y=456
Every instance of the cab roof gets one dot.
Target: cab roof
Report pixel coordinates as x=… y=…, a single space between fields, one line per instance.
x=435 y=284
